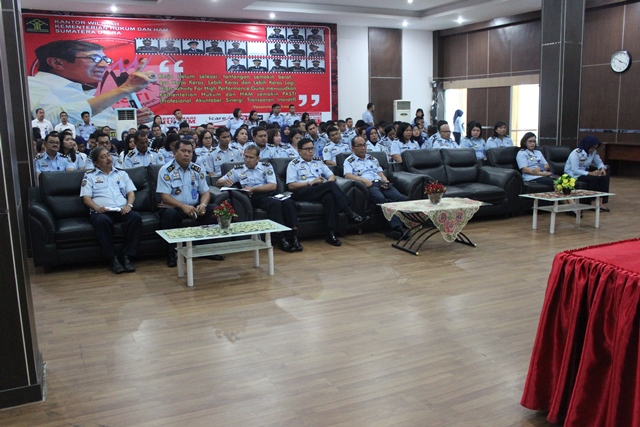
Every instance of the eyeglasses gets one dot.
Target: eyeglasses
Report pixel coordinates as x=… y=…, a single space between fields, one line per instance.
x=307 y=149
x=97 y=58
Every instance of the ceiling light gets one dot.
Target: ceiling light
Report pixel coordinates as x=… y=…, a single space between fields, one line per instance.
x=410 y=1
x=405 y=23
x=114 y=8
x=460 y=20
x=272 y=15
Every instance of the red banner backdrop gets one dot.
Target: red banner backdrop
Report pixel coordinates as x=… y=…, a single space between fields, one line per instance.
x=204 y=68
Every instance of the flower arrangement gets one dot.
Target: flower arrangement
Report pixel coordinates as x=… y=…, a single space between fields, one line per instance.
x=224 y=210
x=564 y=183
x=435 y=187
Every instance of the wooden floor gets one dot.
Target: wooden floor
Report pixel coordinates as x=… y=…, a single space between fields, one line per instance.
x=360 y=335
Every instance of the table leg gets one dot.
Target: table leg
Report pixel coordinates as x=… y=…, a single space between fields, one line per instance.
x=578 y=213
x=180 y=260
x=256 y=253
x=598 y=212
x=269 y=253
x=552 y=225
x=189 y=264
x=535 y=214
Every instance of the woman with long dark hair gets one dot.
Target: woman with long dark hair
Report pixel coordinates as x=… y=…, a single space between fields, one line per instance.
x=158 y=120
x=458 y=125
x=474 y=140
x=404 y=142
x=500 y=137
x=236 y=121
x=68 y=148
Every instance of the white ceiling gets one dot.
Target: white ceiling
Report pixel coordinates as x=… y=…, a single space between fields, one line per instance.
x=421 y=14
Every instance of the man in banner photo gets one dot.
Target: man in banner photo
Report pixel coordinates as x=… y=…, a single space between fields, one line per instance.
x=70 y=71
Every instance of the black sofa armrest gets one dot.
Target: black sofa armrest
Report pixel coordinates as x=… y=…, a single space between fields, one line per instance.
x=409 y=184
x=507 y=179
x=40 y=214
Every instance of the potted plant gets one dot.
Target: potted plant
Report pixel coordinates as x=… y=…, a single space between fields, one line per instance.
x=565 y=184
x=224 y=212
x=435 y=190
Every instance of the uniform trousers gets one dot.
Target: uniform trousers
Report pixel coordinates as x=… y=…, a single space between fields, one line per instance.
x=173 y=217
x=281 y=211
x=596 y=183
x=131 y=225
x=332 y=198
x=380 y=195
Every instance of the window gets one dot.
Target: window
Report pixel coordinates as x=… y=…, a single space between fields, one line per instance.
x=524 y=111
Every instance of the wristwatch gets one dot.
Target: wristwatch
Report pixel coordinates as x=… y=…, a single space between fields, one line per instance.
x=130 y=205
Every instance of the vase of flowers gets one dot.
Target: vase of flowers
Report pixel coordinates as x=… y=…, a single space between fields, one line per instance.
x=435 y=190
x=224 y=212
x=565 y=184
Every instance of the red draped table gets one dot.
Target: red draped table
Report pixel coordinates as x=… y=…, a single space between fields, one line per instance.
x=584 y=367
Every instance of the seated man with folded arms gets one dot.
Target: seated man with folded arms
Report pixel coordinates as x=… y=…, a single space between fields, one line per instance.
x=336 y=146
x=259 y=180
x=363 y=167
x=184 y=193
x=311 y=180
x=109 y=194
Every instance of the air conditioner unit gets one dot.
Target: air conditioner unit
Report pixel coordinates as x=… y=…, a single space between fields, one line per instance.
x=402 y=111
x=126 y=118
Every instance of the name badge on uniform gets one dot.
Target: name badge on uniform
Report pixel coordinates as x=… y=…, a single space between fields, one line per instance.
x=194 y=193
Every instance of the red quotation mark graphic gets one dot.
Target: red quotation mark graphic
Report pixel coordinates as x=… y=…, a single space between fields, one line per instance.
x=304 y=98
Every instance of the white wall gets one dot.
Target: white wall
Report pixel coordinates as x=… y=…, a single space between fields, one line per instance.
x=353 y=71
x=417 y=69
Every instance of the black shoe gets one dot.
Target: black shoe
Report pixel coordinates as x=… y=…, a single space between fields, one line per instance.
x=216 y=257
x=332 y=239
x=394 y=234
x=356 y=219
x=172 y=259
x=296 y=244
x=128 y=267
x=116 y=267
x=285 y=245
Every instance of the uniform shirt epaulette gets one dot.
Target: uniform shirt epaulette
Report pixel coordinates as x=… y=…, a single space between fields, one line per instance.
x=39 y=156
x=295 y=161
x=370 y=157
x=171 y=168
x=90 y=171
x=271 y=145
x=351 y=159
x=155 y=150
x=267 y=163
x=318 y=158
x=131 y=153
x=195 y=167
x=238 y=166
x=64 y=156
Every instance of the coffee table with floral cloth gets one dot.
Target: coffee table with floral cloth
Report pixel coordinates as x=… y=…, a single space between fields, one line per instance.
x=188 y=235
x=576 y=207
x=425 y=219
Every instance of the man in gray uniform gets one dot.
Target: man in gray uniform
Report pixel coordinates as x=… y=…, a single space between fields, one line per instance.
x=109 y=194
x=184 y=192
x=259 y=181
x=311 y=180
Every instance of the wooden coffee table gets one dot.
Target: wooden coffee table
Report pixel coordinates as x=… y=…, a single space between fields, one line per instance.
x=572 y=207
x=188 y=235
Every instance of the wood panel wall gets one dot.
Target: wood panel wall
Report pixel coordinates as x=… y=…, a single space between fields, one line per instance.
x=385 y=70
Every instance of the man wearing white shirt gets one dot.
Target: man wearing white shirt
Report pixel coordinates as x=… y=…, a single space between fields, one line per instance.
x=65 y=125
x=41 y=123
x=69 y=71
x=367 y=116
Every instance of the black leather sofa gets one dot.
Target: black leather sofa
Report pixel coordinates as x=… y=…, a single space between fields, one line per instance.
x=60 y=230
x=310 y=214
x=505 y=157
x=459 y=171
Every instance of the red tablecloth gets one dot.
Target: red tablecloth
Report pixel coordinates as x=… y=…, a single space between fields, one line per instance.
x=584 y=366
